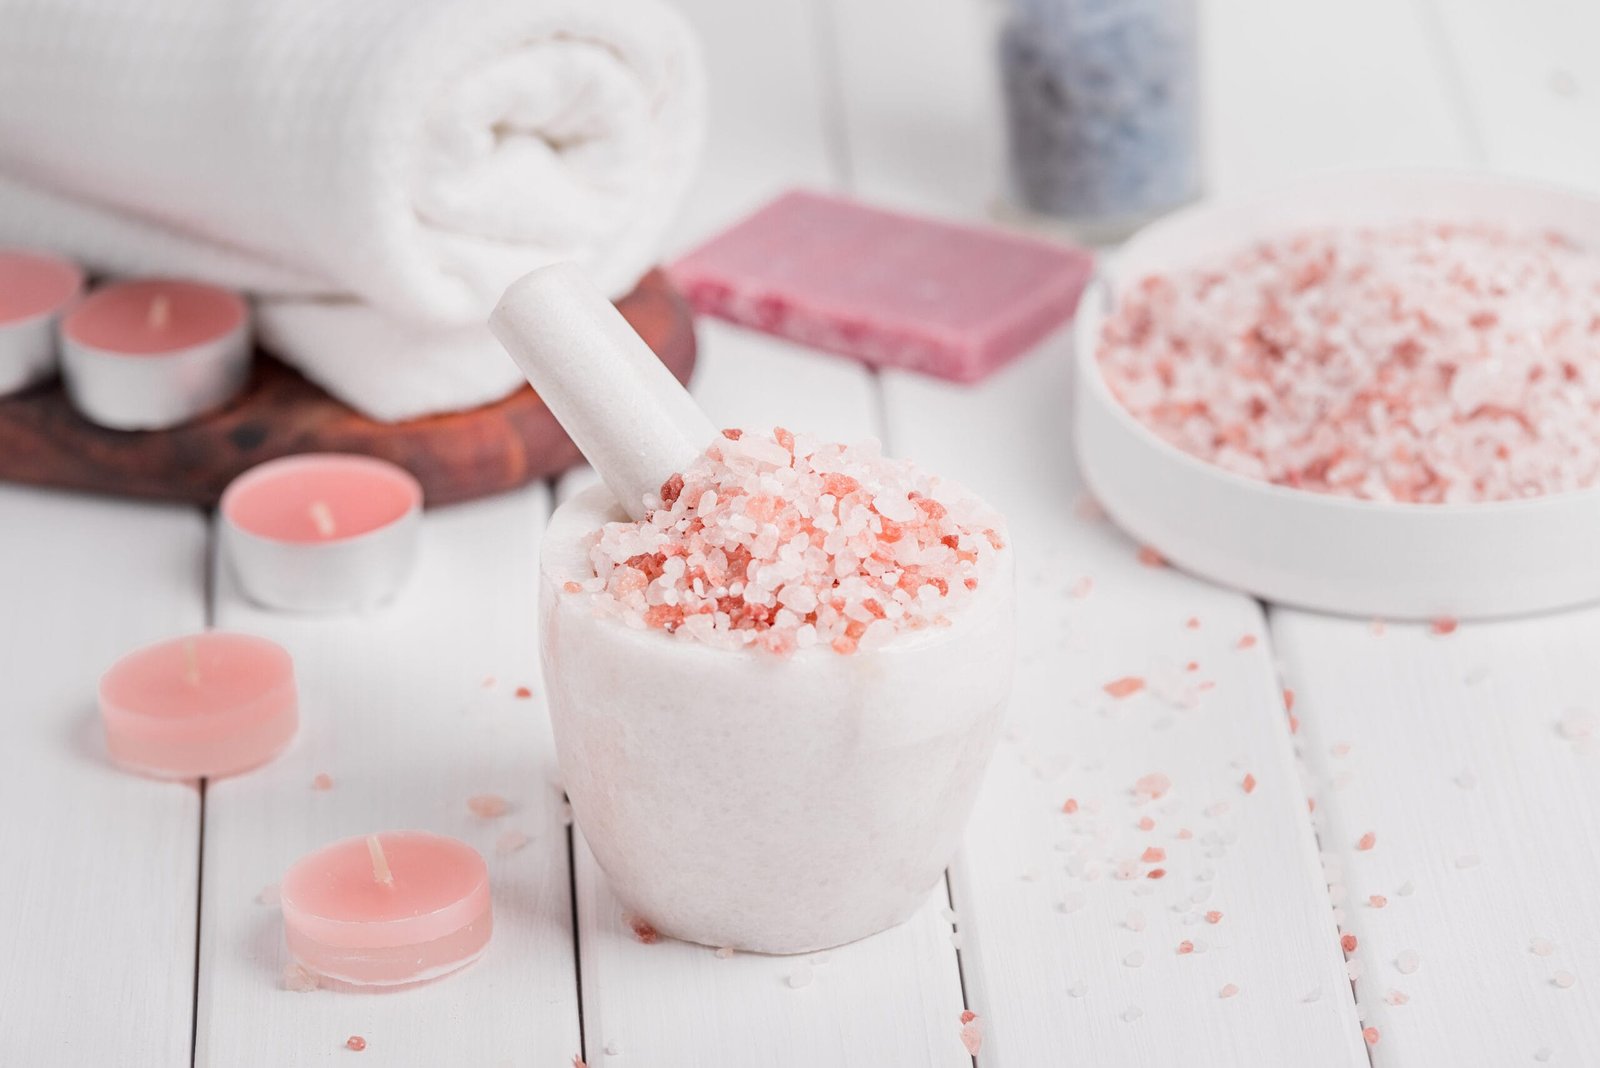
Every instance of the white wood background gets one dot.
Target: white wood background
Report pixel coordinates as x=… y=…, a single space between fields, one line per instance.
x=1474 y=759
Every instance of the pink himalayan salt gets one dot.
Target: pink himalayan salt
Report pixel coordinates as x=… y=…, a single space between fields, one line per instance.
x=783 y=543
x=971 y=1032
x=888 y=289
x=1416 y=362
x=488 y=806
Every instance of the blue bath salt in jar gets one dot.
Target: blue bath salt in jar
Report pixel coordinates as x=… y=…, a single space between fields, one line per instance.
x=1102 y=110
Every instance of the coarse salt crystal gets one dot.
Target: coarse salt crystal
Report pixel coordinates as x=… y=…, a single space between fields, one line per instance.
x=1152 y=787
x=971 y=1033
x=801 y=976
x=510 y=842
x=1228 y=991
x=1564 y=979
x=1541 y=947
x=1418 y=361
x=1131 y=1013
x=488 y=806
x=780 y=542
x=1407 y=962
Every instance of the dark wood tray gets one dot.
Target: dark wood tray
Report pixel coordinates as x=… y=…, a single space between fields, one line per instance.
x=457 y=457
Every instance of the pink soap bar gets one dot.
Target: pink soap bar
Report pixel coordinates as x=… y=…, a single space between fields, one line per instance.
x=889 y=289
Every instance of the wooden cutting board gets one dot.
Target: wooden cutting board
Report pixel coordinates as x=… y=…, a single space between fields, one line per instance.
x=457 y=457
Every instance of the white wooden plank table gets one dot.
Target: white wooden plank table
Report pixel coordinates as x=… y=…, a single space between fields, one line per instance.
x=133 y=930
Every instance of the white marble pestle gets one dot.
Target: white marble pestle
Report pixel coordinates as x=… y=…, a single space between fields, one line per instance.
x=629 y=417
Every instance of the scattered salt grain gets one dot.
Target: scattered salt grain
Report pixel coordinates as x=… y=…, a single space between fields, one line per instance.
x=1367 y=841
x=523 y=693
x=1563 y=979
x=1134 y=959
x=1248 y=783
x=1576 y=724
x=971 y=1032
x=298 y=979
x=1407 y=962
x=268 y=895
x=1541 y=947
x=1466 y=780
x=1468 y=860
x=1371 y=1035
x=642 y=930
x=488 y=806
x=1151 y=787
x=1073 y=901
x=724 y=952
x=1185 y=948
x=1131 y=1013
x=778 y=541
x=1543 y=1054
x=510 y=842
x=1126 y=686
x=1228 y=991
x=1418 y=361
x=1313 y=996
x=1134 y=920
x=801 y=976
x=1377 y=901
x=1397 y=997
x=1078 y=989
x=612 y=1049
x=322 y=781
x=1406 y=889
x=355 y=1042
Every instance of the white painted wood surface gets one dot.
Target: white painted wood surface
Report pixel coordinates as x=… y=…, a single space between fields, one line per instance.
x=1454 y=752
x=1459 y=748
x=397 y=712
x=97 y=890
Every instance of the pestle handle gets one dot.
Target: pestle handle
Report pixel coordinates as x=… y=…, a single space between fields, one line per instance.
x=629 y=417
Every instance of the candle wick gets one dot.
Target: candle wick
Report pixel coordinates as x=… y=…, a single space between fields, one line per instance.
x=191 y=662
x=160 y=312
x=322 y=517
x=380 y=863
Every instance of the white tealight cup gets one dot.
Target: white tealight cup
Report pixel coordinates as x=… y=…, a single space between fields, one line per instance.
x=322 y=532
x=155 y=353
x=35 y=289
x=773 y=804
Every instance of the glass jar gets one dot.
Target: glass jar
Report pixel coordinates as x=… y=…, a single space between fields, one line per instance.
x=1102 y=110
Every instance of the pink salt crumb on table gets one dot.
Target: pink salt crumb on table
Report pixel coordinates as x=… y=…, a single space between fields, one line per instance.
x=888 y=289
x=780 y=542
x=1415 y=362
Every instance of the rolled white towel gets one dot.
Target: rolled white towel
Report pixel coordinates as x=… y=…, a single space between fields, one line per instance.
x=376 y=171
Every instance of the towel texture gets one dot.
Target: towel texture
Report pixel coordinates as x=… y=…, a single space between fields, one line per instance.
x=375 y=171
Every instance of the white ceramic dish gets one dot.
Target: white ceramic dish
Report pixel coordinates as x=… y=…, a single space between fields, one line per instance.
x=779 y=805
x=1315 y=550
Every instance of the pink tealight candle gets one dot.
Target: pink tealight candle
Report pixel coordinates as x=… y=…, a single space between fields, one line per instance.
x=387 y=909
x=322 y=532
x=205 y=705
x=154 y=353
x=35 y=288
